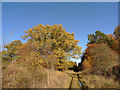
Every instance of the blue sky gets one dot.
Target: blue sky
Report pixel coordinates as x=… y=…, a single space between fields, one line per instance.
x=82 y=18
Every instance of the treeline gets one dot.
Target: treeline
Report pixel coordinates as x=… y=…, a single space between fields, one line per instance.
x=49 y=47
x=102 y=54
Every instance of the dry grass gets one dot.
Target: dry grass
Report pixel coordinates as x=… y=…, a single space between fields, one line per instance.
x=94 y=81
x=21 y=75
x=57 y=79
x=75 y=82
x=18 y=76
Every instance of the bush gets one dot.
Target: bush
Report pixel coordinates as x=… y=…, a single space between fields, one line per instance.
x=101 y=58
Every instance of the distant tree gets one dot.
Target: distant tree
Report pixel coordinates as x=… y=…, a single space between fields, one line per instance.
x=100 y=37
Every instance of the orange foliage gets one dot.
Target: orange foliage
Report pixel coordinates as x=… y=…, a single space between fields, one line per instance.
x=25 y=49
x=86 y=65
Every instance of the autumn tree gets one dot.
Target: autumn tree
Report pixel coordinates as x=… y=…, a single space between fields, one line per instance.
x=100 y=37
x=86 y=65
x=98 y=58
x=9 y=50
x=65 y=65
x=117 y=32
x=98 y=49
x=53 y=41
x=116 y=43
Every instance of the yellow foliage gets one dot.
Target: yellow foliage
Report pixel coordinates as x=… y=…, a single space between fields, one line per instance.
x=52 y=40
x=30 y=30
x=25 y=31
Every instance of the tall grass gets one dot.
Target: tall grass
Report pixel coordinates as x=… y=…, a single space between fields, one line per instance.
x=19 y=76
x=97 y=81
